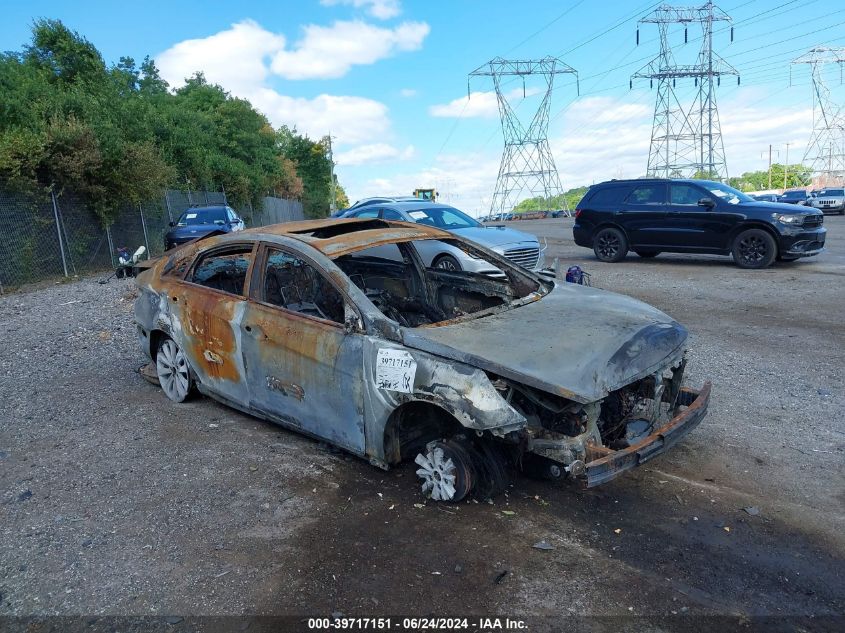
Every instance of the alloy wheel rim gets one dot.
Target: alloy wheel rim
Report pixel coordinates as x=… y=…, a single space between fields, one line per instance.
x=439 y=474
x=172 y=371
x=608 y=245
x=446 y=264
x=752 y=249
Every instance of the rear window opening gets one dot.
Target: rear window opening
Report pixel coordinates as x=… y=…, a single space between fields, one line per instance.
x=409 y=283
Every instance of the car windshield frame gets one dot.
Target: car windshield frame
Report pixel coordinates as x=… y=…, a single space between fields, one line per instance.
x=725 y=193
x=184 y=220
x=430 y=211
x=833 y=193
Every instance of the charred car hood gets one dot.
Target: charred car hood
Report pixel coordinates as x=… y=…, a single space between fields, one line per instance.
x=577 y=342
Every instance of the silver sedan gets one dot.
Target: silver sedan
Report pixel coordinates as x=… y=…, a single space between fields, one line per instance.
x=521 y=248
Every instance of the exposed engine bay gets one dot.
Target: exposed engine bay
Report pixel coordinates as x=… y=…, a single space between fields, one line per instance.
x=570 y=433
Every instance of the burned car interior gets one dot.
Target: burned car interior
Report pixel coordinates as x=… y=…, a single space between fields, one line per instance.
x=293 y=284
x=395 y=280
x=224 y=270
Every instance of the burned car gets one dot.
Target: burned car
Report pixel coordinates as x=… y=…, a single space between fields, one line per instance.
x=338 y=330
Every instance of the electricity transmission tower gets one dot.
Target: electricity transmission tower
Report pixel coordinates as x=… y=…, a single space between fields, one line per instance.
x=825 y=153
x=527 y=163
x=686 y=139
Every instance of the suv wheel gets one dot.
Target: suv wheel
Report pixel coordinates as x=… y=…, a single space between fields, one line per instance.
x=754 y=248
x=610 y=245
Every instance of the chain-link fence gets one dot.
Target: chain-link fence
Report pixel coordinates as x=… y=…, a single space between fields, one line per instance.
x=46 y=238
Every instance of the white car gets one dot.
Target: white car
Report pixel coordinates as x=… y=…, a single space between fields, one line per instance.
x=521 y=248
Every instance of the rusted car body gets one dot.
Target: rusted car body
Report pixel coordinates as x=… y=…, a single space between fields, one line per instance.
x=467 y=375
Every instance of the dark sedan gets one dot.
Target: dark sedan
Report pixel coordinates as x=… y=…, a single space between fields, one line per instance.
x=795 y=196
x=199 y=222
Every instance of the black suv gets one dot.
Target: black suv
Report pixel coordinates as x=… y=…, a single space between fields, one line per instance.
x=650 y=216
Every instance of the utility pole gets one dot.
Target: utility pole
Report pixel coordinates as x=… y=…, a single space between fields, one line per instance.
x=686 y=139
x=527 y=162
x=770 y=163
x=786 y=166
x=333 y=201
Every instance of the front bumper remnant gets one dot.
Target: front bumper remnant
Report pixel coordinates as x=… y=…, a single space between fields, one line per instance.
x=613 y=463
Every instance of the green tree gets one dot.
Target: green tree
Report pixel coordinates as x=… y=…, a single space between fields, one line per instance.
x=117 y=134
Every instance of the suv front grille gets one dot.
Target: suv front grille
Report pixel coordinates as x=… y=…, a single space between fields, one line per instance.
x=525 y=257
x=812 y=221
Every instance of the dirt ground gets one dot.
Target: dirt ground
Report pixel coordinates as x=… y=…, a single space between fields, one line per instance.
x=115 y=501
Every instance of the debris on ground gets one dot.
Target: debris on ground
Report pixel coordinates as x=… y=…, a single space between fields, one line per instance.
x=500 y=576
x=752 y=510
x=544 y=545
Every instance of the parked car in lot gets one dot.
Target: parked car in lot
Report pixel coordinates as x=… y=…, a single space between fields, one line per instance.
x=795 y=196
x=521 y=248
x=830 y=200
x=199 y=222
x=650 y=216
x=765 y=197
x=309 y=325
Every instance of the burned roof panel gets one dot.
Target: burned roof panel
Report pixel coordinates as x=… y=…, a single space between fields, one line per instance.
x=339 y=237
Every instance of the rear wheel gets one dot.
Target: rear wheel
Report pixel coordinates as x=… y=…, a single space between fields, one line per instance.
x=647 y=254
x=173 y=372
x=447 y=262
x=754 y=248
x=610 y=245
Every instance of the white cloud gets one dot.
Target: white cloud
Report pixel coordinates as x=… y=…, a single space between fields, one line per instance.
x=381 y=9
x=328 y=52
x=350 y=119
x=463 y=180
x=239 y=55
x=235 y=58
x=374 y=153
x=478 y=104
x=408 y=93
x=245 y=57
x=605 y=137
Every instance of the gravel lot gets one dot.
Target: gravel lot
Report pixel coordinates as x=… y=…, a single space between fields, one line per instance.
x=115 y=501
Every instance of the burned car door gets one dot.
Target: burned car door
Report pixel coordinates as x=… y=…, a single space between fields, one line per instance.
x=304 y=364
x=209 y=306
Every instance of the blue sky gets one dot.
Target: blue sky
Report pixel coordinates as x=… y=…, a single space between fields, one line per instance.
x=388 y=78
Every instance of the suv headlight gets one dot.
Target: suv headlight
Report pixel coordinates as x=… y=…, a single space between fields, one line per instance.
x=788 y=218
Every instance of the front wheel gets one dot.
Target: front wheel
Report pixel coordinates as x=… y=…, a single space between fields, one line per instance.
x=173 y=372
x=754 y=248
x=610 y=245
x=446 y=470
x=447 y=262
